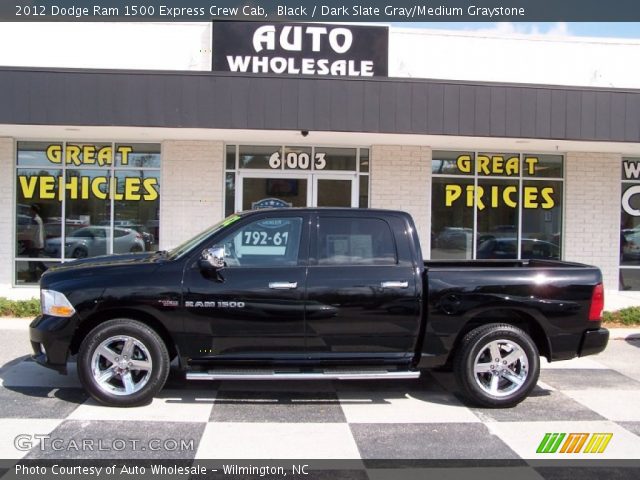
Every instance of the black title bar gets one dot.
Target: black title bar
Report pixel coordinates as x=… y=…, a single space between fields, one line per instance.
x=325 y=10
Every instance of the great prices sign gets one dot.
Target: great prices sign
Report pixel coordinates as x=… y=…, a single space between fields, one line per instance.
x=498 y=195
x=300 y=49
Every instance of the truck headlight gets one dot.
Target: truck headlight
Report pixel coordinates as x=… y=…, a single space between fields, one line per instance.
x=55 y=304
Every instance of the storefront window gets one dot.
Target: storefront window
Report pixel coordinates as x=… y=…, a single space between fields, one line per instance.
x=256 y=156
x=363 y=201
x=363 y=175
x=229 y=193
x=497 y=219
x=86 y=212
x=492 y=205
x=364 y=160
x=451 y=221
x=136 y=208
x=340 y=158
x=78 y=200
x=630 y=225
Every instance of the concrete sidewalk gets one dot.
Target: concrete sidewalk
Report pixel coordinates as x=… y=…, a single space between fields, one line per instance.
x=616 y=300
x=12 y=323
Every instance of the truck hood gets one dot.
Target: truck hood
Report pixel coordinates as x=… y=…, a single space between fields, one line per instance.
x=108 y=261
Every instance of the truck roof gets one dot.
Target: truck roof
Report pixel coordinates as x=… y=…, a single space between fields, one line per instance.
x=327 y=209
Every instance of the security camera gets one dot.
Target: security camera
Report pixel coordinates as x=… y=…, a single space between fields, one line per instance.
x=304 y=133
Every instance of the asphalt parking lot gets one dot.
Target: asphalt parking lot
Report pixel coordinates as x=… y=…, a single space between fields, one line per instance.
x=419 y=419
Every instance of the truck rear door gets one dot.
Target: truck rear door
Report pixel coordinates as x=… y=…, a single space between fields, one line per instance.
x=362 y=301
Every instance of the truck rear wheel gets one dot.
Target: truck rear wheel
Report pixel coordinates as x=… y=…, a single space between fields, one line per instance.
x=497 y=365
x=123 y=363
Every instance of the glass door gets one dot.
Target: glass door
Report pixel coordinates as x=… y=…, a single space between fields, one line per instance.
x=256 y=191
x=263 y=190
x=334 y=191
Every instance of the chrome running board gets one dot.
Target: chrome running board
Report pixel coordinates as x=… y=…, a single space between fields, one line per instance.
x=328 y=374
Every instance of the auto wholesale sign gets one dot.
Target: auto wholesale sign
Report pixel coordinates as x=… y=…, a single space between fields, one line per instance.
x=301 y=49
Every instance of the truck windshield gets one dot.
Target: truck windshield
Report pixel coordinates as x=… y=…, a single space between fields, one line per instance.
x=180 y=250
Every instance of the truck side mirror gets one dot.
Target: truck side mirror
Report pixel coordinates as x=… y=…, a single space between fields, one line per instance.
x=212 y=258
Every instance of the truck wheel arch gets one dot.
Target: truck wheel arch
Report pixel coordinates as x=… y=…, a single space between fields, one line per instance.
x=516 y=317
x=91 y=322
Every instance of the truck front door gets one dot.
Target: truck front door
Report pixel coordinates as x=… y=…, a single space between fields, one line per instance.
x=254 y=307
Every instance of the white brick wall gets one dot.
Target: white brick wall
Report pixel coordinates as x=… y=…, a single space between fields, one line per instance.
x=7 y=175
x=191 y=193
x=401 y=180
x=592 y=212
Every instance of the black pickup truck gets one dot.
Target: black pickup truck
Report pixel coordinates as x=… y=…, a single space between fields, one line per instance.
x=313 y=294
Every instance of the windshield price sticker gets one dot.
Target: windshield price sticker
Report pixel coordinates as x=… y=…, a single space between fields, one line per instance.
x=262 y=238
x=269 y=233
x=298 y=161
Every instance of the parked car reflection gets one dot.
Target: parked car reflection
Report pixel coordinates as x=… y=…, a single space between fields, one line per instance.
x=454 y=237
x=93 y=240
x=147 y=236
x=507 y=248
x=25 y=228
x=631 y=248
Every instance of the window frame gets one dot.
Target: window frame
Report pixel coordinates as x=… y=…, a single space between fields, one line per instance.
x=520 y=178
x=625 y=182
x=315 y=245
x=109 y=171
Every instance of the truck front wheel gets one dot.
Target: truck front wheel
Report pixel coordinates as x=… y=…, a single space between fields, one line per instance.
x=123 y=363
x=497 y=365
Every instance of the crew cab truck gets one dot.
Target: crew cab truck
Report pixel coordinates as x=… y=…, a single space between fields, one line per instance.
x=313 y=294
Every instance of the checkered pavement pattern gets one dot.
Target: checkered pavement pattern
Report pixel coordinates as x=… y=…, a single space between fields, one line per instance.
x=397 y=420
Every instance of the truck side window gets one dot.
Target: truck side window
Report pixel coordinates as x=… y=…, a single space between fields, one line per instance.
x=355 y=241
x=266 y=242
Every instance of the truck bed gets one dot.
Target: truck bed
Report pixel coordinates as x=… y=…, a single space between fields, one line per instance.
x=498 y=264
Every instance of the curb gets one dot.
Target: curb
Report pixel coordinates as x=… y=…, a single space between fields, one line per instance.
x=12 y=323
x=624 y=334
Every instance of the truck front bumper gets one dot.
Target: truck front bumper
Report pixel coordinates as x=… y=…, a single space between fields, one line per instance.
x=593 y=342
x=50 y=339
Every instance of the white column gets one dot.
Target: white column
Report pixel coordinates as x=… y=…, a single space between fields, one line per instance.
x=191 y=190
x=592 y=212
x=401 y=180
x=7 y=219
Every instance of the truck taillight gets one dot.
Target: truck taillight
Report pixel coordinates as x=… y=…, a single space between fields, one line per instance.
x=597 y=303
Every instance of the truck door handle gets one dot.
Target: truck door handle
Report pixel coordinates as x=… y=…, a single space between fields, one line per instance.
x=283 y=285
x=404 y=284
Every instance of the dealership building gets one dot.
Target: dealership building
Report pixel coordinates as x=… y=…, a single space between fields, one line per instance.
x=134 y=137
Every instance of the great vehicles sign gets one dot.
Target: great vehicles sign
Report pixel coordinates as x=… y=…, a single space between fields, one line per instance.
x=301 y=49
x=83 y=184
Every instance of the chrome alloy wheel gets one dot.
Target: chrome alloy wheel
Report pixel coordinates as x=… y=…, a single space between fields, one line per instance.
x=121 y=365
x=501 y=368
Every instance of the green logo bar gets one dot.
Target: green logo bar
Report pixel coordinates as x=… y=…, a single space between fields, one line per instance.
x=550 y=443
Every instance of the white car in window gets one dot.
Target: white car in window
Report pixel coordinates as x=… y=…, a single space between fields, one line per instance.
x=93 y=240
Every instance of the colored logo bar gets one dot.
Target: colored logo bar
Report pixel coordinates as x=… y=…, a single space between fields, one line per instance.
x=574 y=443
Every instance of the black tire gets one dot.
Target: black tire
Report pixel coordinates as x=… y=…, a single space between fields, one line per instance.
x=80 y=252
x=147 y=351
x=476 y=348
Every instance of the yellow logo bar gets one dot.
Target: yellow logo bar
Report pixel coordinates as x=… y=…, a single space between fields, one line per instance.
x=598 y=442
